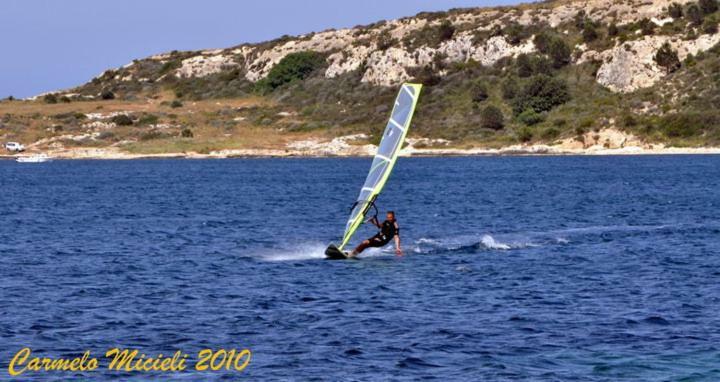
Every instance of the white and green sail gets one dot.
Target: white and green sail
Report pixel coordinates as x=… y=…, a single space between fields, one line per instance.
x=382 y=165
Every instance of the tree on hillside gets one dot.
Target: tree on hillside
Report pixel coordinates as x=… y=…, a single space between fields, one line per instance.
x=542 y=93
x=294 y=66
x=492 y=118
x=559 y=52
x=667 y=58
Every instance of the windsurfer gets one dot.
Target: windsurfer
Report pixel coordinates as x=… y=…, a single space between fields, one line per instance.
x=389 y=229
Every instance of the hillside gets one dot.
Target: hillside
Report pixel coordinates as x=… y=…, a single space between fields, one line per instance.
x=572 y=75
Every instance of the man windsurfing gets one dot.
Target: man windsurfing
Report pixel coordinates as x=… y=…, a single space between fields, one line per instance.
x=389 y=229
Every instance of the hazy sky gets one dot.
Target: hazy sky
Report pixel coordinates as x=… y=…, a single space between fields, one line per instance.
x=51 y=44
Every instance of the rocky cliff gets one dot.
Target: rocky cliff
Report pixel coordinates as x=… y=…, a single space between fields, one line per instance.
x=627 y=64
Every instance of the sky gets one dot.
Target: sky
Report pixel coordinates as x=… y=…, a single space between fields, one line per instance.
x=50 y=45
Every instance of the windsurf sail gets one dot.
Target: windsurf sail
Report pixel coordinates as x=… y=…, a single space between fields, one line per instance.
x=384 y=161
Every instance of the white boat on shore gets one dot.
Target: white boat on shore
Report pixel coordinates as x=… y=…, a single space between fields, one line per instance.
x=38 y=158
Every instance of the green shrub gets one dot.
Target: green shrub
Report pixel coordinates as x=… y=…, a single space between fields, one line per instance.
x=524 y=65
x=425 y=75
x=65 y=99
x=187 y=133
x=153 y=134
x=555 y=47
x=549 y=134
x=542 y=41
x=107 y=95
x=687 y=125
x=50 y=98
x=710 y=26
x=559 y=52
x=695 y=14
x=531 y=64
x=541 y=93
x=478 y=92
x=524 y=134
x=580 y=19
x=509 y=88
x=385 y=41
x=430 y=35
x=690 y=61
x=629 y=120
x=675 y=10
x=446 y=30
x=515 y=33
x=708 y=6
x=667 y=58
x=529 y=117
x=176 y=104
x=122 y=120
x=170 y=66
x=613 y=30
x=646 y=26
x=148 y=119
x=589 y=32
x=293 y=67
x=492 y=118
x=106 y=136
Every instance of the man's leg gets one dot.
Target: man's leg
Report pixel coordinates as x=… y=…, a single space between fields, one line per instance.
x=358 y=250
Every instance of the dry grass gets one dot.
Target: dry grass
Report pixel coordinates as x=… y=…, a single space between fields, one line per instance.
x=220 y=124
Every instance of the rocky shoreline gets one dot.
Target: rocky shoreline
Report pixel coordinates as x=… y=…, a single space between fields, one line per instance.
x=608 y=141
x=531 y=150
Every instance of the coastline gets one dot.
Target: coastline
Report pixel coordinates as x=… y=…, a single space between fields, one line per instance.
x=518 y=150
x=608 y=141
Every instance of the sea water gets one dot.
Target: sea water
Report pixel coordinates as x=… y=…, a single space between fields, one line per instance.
x=515 y=268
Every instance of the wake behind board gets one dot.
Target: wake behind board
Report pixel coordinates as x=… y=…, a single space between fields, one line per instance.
x=333 y=253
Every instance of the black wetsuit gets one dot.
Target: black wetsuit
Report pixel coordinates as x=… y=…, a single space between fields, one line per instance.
x=387 y=232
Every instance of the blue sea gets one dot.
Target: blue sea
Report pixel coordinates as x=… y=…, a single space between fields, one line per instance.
x=515 y=268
